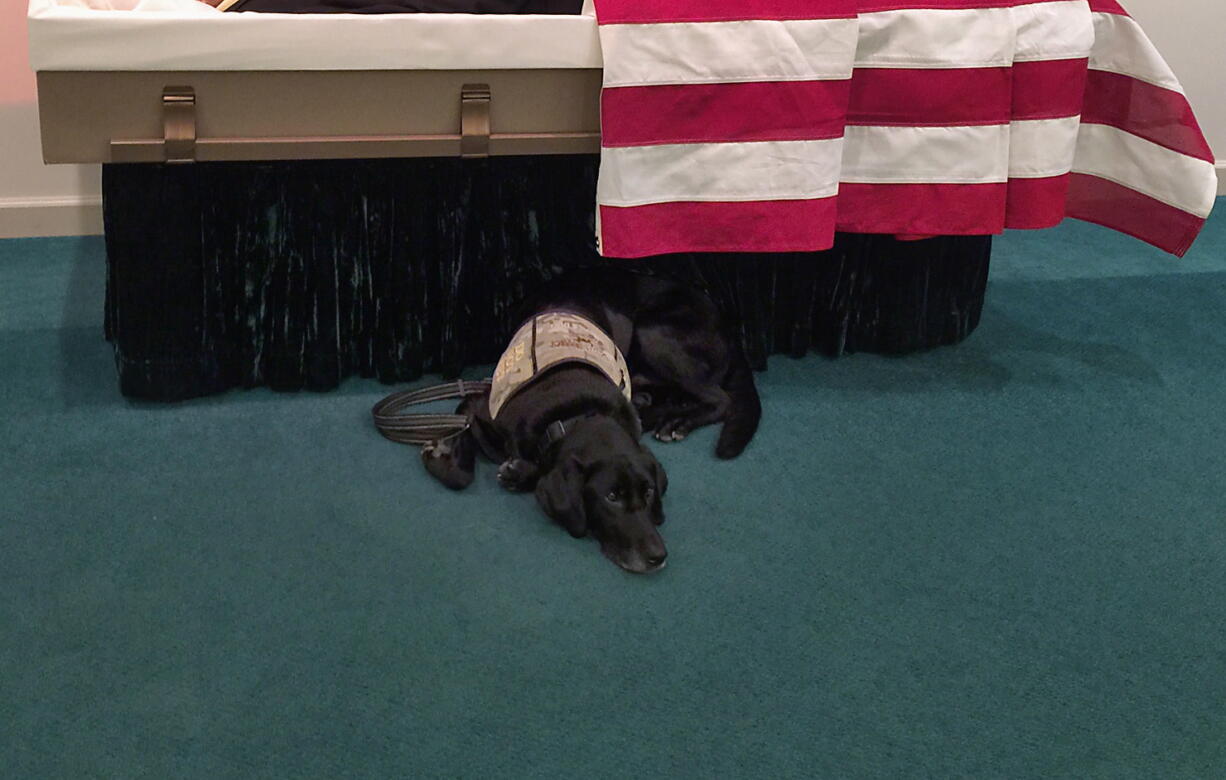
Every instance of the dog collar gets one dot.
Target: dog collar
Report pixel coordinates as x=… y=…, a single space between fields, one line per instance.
x=555 y=432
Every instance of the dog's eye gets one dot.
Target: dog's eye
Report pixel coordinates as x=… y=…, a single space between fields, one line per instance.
x=649 y=493
x=613 y=496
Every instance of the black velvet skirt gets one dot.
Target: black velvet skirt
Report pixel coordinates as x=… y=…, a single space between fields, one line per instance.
x=298 y=274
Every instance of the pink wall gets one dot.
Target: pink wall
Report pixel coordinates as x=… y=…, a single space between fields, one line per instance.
x=16 y=80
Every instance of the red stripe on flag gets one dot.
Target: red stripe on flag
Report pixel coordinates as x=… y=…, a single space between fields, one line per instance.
x=967 y=96
x=675 y=11
x=713 y=113
x=912 y=96
x=1050 y=89
x=1114 y=206
x=1034 y=204
x=922 y=209
x=1156 y=114
x=753 y=226
x=1107 y=7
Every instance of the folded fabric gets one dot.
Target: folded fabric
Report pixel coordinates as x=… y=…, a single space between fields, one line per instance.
x=767 y=125
x=404 y=6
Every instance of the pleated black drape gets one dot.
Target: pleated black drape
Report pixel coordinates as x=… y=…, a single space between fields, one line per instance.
x=298 y=274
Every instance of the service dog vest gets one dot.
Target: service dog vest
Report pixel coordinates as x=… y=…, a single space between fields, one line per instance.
x=550 y=339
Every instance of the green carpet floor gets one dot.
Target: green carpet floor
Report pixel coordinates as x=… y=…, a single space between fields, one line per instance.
x=1005 y=559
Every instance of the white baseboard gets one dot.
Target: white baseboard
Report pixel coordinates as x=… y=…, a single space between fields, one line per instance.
x=63 y=216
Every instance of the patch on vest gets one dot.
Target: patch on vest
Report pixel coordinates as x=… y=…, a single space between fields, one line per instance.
x=549 y=339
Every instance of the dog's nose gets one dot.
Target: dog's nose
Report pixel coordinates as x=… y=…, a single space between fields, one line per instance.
x=655 y=560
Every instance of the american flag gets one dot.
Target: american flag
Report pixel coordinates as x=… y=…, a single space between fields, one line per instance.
x=767 y=125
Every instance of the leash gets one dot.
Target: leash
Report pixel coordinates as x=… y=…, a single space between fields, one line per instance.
x=425 y=427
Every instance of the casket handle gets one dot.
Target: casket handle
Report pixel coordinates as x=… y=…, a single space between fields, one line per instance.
x=475 y=121
x=179 y=124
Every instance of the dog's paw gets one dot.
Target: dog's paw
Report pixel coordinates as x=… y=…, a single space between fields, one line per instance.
x=517 y=475
x=451 y=465
x=673 y=430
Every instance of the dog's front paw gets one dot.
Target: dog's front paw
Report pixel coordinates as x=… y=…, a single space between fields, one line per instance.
x=451 y=461
x=517 y=475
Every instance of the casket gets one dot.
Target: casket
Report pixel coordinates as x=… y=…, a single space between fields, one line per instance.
x=186 y=82
x=296 y=252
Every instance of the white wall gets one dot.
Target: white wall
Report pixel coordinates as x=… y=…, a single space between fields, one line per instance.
x=36 y=199
x=1191 y=34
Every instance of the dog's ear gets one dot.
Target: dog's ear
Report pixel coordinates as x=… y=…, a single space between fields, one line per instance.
x=560 y=494
x=661 y=480
x=657 y=473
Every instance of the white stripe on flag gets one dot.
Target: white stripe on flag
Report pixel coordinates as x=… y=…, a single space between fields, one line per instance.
x=926 y=155
x=1062 y=30
x=1123 y=47
x=768 y=170
x=1041 y=148
x=976 y=37
x=1177 y=180
x=714 y=52
x=936 y=38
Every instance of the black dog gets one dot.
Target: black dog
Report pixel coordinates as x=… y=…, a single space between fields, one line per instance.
x=572 y=435
x=688 y=370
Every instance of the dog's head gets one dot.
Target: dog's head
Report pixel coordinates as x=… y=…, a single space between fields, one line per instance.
x=616 y=497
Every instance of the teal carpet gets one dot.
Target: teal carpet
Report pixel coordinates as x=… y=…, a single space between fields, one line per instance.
x=1006 y=559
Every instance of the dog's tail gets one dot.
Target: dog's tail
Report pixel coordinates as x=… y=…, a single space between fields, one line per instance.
x=746 y=411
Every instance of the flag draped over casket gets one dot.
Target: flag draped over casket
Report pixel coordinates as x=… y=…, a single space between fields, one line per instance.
x=767 y=125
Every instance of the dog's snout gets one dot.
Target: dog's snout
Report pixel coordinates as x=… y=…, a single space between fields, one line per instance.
x=652 y=549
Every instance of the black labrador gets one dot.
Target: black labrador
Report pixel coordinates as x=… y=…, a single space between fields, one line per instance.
x=572 y=436
x=688 y=368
